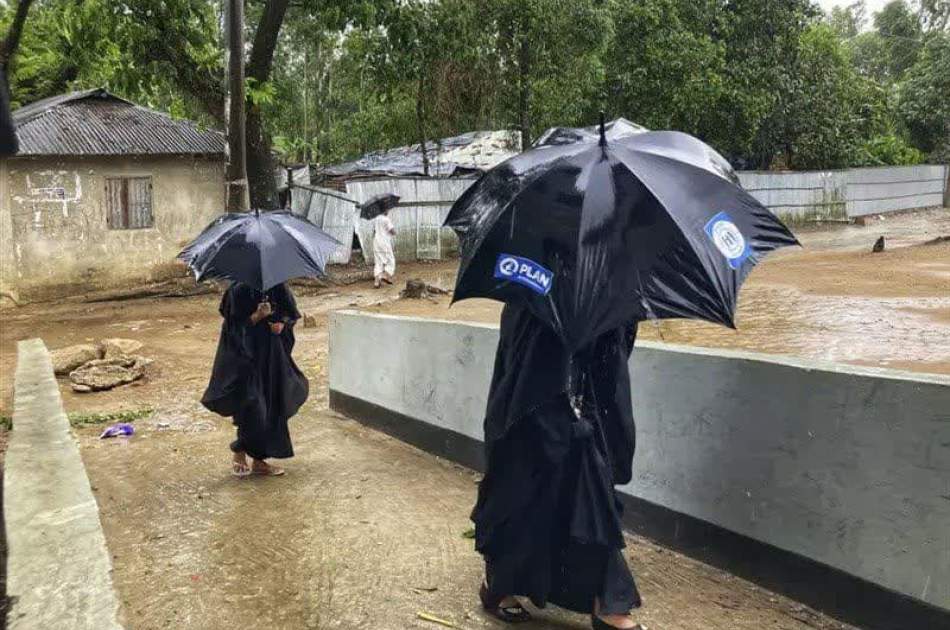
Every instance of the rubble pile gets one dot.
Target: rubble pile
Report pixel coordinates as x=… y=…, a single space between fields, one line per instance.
x=97 y=367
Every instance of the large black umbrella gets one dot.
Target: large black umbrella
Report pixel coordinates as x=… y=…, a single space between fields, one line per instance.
x=377 y=205
x=591 y=234
x=260 y=249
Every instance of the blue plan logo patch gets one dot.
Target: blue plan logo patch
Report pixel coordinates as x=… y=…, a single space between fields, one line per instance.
x=727 y=238
x=525 y=272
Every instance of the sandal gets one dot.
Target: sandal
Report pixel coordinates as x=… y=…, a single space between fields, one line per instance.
x=492 y=605
x=240 y=470
x=266 y=470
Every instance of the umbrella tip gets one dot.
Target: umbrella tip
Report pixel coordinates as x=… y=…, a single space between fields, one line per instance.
x=603 y=132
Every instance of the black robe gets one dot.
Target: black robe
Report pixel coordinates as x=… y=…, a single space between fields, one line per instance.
x=254 y=379
x=559 y=434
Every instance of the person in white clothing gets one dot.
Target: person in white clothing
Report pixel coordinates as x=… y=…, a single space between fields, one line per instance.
x=384 y=259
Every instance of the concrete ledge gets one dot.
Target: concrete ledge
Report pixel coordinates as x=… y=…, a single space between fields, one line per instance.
x=58 y=566
x=838 y=594
x=846 y=467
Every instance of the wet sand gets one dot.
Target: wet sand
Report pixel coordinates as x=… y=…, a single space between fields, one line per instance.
x=831 y=300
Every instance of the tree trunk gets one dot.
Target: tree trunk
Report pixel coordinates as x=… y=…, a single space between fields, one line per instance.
x=237 y=182
x=260 y=162
x=420 y=125
x=12 y=40
x=524 y=92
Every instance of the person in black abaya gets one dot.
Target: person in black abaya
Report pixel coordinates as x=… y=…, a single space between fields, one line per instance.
x=559 y=434
x=254 y=379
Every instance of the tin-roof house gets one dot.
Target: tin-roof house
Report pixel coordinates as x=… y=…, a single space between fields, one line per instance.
x=102 y=191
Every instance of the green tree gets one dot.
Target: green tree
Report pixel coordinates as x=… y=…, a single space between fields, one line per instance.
x=848 y=21
x=925 y=98
x=651 y=86
x=900 y=31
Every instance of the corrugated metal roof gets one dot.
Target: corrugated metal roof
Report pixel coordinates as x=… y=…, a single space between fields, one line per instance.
x=95 y=122
x=472 y=152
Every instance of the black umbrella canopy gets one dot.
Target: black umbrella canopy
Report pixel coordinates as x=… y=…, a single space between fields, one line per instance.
x=260 y=249
x=377 y=205
x=594 y=233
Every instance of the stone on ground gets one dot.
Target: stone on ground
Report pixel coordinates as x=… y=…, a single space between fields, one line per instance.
x=65 y=360
x=116 y=347
x=104 y=374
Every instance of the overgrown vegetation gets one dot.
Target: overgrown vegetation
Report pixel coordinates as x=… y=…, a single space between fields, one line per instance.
x=78 y=419
x=770 y=84
x=81 y=419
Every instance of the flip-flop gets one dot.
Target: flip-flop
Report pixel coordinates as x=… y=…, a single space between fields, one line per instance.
x=240 y=470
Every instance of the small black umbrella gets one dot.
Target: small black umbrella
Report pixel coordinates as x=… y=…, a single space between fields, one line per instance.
x=260 y=249
x=378 y=205
x=594 y=233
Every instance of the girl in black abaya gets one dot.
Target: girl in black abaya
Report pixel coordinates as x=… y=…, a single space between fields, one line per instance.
x=559 y=435
x=254 y=379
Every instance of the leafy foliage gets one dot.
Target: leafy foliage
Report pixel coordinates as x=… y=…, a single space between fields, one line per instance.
x=770 y=84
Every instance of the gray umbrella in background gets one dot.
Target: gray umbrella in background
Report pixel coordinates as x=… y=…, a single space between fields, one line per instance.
x=378 y=205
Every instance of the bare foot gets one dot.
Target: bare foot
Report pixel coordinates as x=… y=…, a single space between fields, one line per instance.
x=260 y=467
x=618 y=621
x=239 y=467
x=615 y=621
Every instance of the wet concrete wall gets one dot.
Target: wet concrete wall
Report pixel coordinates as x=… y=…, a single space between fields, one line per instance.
x=54 y=234
x=845 y=466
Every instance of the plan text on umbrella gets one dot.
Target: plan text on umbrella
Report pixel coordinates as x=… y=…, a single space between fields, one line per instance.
x=525 y=272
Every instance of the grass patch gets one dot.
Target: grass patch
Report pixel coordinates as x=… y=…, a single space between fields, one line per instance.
x=129 y=415
x=6 y=423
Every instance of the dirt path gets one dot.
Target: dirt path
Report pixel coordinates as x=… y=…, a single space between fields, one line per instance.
x=363 y=529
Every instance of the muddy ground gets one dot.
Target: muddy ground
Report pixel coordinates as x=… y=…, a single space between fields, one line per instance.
x=365 y=529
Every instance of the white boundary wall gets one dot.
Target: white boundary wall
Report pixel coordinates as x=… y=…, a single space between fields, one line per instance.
x=848 y=193
x=847 y=466
x=793 y=196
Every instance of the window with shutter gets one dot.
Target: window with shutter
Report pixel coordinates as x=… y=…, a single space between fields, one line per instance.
x=129 y=203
